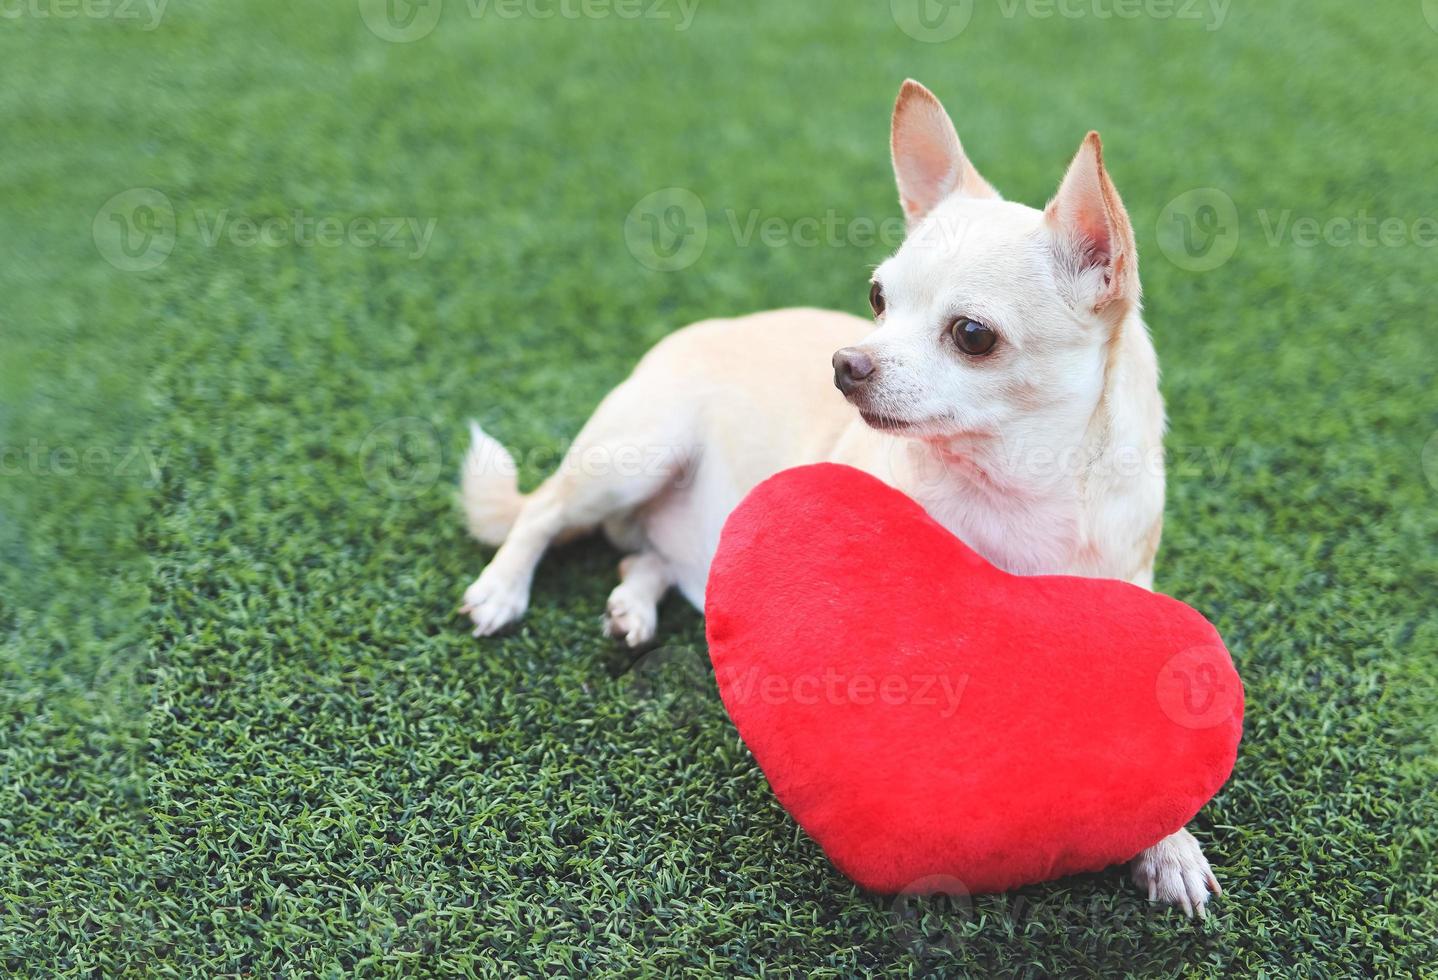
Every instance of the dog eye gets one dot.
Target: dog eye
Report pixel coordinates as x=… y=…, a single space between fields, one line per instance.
x=972 y=337
x=876 y=298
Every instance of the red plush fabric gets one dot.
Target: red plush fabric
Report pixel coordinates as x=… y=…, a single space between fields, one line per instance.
x=936 y=724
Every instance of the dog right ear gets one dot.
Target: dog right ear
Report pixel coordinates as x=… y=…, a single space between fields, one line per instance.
x=1093 y=237
x=929 y=162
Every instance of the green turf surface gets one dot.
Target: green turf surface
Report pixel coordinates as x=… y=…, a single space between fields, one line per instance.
x=241 y=732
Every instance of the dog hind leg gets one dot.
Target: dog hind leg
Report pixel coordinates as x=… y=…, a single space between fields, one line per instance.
x=632 y=613
x=628 y=451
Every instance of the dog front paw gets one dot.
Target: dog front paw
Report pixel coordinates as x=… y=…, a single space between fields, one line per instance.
x=1175 y=872
x=492 y=604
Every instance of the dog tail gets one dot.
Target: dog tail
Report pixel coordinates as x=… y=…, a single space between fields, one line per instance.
x=489 y=488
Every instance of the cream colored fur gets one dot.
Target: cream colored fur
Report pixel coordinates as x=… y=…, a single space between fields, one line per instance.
x=1045 y=455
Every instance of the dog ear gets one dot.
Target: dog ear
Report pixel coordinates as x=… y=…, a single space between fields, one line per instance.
x=1093 y=239
x=929 y=162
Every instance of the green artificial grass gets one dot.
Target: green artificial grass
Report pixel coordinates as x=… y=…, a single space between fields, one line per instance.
x=242 y=732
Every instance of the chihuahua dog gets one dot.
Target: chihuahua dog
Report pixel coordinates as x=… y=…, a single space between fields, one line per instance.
x=1007 y=383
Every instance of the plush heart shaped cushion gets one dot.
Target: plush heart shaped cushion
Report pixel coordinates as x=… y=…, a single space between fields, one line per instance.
x=937 y=724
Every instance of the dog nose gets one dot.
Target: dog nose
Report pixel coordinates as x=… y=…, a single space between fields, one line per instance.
x=852 y=368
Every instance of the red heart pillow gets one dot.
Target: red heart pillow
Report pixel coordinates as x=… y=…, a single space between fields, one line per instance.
x=938 y=724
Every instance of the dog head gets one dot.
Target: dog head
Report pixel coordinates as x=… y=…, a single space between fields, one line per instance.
x=991 y=314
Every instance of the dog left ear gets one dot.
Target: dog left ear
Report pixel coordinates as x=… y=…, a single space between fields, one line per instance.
x=929 y=162
x=1093 y=239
